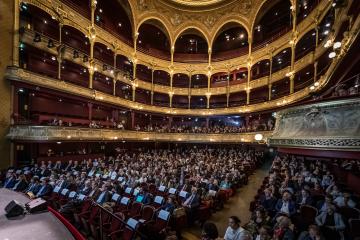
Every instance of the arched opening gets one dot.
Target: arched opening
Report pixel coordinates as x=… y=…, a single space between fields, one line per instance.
x=260 y=69
x=104 y=54
x=181 y=80
x=305 y=45
x=76 y=40
x=191 y=46
x=272 y=21
x=281 y=60
x=231 y=41
x=153 y=39
x=161 y=77
x=116 y=18
x=35 y=19
x=143 y=73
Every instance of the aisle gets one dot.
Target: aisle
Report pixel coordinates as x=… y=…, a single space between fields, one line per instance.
x=237 y=205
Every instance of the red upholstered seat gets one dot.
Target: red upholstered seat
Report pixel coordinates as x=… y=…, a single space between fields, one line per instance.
x=147 y=214
x=134 y=210
x=113 y=229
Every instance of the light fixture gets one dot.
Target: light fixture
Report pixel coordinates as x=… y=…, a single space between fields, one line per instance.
x=45 y=21
x=105 y=67
x=50 y=43
x=53 y=58
x=58 y=142
x=37 y=37
x=316 y=84
x=20 y=90
x=332 y=55
x=326 y=32
x=75 y=54
x=327 y=25
x=337 y=45
x=258 y=137
x=85 y=58
x=312 y=87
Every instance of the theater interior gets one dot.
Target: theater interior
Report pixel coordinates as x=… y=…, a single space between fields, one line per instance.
x=180 y=119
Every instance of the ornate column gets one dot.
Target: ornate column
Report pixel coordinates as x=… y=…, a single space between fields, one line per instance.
x=132 y=119
x=170 y=98
x=248 y=82
x=133 y=91
x=114 y=73
x=92 y=36
x=270 y=77
x=171 y=93
x=315 y=71
x=189 y=92
x=59 y=50
x=294 y=9
x=228 y=88
x=16 y=37
x=134 y=60
x=90 y=105
x=152 y=86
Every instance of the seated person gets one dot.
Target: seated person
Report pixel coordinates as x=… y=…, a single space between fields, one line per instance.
x=312 y=234
x=169 y=205
x=284 y=229
x=191 y=204
x=104 y=196
x=259 y=219
x=344 y=200
x=225 y=184
x=323 y=204
x=21 y=183
x=45 y=189
x=268 y=201
x=34 y=185
x=10 y=180
x=285 y=205
x=331 y=223
x=143 y=197
x=304 y=198
x=235 y=231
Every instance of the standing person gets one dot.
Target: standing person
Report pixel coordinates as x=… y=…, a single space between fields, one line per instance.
x=235 y=231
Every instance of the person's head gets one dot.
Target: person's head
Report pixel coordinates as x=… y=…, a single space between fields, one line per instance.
x=267 y=192
x=285 y=222
x=209 y=231
x=259 y=213
x=314 y=231
x=304 y=193
x=234 y=222
x=330 y=209
x=286 y=196
x=328 y=198
x=193 y=190
x=264 y=232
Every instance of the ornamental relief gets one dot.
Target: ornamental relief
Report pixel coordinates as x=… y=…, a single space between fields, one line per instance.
x=336 y=119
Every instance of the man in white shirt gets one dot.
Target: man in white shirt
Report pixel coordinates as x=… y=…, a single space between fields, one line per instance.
x=235 y=231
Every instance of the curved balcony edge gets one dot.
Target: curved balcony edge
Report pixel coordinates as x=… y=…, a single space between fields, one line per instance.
x=53 y=133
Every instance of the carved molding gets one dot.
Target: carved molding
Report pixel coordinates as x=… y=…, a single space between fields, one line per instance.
x=332 y=124
x=52 y=133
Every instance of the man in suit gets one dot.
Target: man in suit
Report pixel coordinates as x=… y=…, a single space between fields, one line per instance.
x=285 y=205
x=104 y=196
x=34 y=186
x=191 y=204
x=10 y=181
x=268 y=201
x=21 y=184
x=143 y=196
x=304 y=198
x=45 y=189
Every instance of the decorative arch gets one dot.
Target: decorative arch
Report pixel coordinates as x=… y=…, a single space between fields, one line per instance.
x=194 y=27
x=227 y=20
x=158 y=19
x=265 y=5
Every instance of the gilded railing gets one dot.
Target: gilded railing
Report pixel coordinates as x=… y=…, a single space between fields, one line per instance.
x=52 y=133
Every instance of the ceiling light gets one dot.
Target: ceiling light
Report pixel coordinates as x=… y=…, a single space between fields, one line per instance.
x=327 y=25
x=242 y=36
x=312 y=88
x=316 y=84
x=21 y=90
x=100 y=10
x=326 y=32
x=332 y=55
x=53 y=58
x=313 y=34
x=276 y=13
x=45 y=21
x=50 y=43
x=53 y=17
x=307 y=73
x=58 y=142
x=119 y=24
x=334 y=4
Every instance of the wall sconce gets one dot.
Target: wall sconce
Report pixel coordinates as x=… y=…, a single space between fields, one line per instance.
x=50 y=43
x=75 y=54
x=37 y=37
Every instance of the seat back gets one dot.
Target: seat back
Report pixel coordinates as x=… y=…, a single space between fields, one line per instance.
x=116 y=223
x=159 y=200
x=308 y=213
x=64 y=192
x=162 y=219
x=125 y=201
x=172 y=191
x=147 y=213
x=129 y=231
x=72 y=194
x=354 y=228
x=135 y=208
x=349 y=213
x=115 y=197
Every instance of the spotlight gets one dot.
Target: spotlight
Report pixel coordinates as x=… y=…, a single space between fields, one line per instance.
x=105 y=67
x=37 y=37
x=50 y=43
x=85 y=59
x=75 y=54
x=258 y=137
